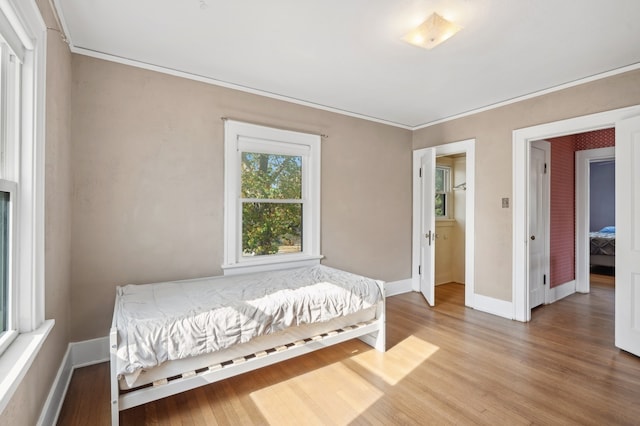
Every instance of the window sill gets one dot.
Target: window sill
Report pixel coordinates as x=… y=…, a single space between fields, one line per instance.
x=16 y=360
x=285 y=262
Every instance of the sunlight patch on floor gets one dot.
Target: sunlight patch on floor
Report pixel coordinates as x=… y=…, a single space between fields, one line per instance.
x=333 y=394
x=399 y=361
x=337 y=394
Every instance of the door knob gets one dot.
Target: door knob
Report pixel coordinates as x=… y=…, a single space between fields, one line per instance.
x=533 y=237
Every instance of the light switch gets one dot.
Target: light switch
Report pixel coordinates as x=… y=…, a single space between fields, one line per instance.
x=505 y=203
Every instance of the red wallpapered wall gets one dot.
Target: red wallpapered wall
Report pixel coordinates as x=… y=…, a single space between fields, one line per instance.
x=597 y=139
x=562 y=227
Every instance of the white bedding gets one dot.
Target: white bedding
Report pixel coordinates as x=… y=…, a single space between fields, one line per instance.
x=176 y=320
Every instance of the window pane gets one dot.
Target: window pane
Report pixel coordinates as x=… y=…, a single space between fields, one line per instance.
x=270 y=228
x=271 y=176
x=4 y=259
x=441 y=203
x=440 y=179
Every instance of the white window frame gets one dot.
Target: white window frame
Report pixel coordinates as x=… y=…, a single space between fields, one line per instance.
x=245 y=137
x=7 y=337
x=447 y=193
x=24 y=32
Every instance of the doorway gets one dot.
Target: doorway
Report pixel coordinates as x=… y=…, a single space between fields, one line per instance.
x=584 y=163
x=559 y=228
x=451 y=186
x=626 y=122
x=521 y=143
x=425 y=236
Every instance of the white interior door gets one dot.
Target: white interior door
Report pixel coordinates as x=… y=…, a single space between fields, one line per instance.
x=538 y=213
x=628 y=235
x=428 y=226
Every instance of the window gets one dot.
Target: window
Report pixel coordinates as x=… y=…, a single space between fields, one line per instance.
x=23 y=328
x=10 y=70
x=7 y=197
x=443 y=189
x=272 y=198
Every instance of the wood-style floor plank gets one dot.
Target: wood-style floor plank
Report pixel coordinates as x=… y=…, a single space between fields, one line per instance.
x=444 y=365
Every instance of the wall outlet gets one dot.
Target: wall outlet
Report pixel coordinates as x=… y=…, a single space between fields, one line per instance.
x=505 y=203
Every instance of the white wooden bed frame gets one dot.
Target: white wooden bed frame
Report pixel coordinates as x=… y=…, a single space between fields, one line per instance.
x=371 y=332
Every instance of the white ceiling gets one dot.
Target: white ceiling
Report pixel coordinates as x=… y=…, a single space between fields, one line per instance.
x=347 y=55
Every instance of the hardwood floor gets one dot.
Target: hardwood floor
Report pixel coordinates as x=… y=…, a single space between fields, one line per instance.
x=444 y=365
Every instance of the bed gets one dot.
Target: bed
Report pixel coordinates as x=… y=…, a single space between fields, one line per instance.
x=170 y=337
x=602 y=247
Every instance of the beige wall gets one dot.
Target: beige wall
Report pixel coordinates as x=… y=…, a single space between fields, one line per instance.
x=148 y=184
x=493 y=132
x=26 y=404
x=459 y=228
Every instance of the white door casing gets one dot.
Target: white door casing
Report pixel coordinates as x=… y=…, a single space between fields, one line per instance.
x=538 y=221
x=521 y=137
x=428 y=227
x=627 y=311
x=468 y=148
x=583 y=161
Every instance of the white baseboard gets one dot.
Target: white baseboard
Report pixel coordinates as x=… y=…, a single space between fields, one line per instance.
x=78 y=354
x=90 y=352
x=492 y=306
x=561 y=291
x=53 y=404
x=394 y=288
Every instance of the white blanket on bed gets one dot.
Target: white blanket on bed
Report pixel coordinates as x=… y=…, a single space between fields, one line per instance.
x=174 y=320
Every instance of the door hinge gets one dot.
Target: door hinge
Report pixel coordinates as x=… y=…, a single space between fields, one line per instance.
x=419 y=270
x=544 y=279
x=420 y=172
x=545 y=168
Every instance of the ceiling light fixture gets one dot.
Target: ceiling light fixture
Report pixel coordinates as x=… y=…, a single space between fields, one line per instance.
x=433 y=31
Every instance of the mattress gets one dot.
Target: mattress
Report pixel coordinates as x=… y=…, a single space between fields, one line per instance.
x=177 y=320
x=602 y=243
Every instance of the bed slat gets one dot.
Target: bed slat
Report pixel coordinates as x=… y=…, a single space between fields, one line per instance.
x=188 y=374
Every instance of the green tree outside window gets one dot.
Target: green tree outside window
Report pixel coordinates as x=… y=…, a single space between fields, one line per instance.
x=271 y=191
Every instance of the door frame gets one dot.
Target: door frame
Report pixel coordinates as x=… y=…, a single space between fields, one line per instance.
x=466 y=147
x=521 y=139
x=583 y=214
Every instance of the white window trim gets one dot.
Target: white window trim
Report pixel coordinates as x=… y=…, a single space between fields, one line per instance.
x=11 y=187
x=284 y=142
x=22 y=19
x=448 y=192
